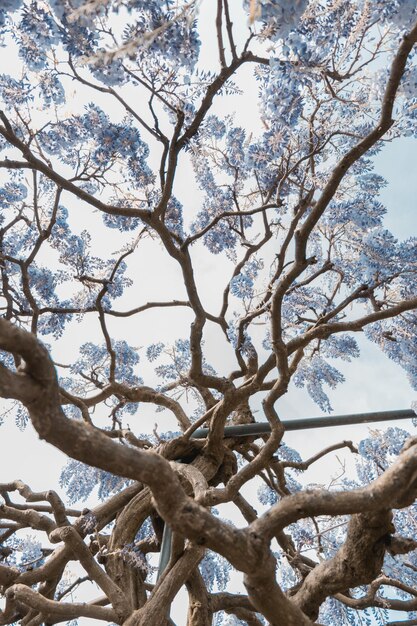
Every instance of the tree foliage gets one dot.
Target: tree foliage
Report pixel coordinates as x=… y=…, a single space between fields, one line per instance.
x=129 y=167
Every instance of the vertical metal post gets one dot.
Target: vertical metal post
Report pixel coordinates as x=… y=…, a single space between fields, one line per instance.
x=165 y=554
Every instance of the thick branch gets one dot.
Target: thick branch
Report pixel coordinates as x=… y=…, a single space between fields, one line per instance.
x=357 y=562
x=58 y=611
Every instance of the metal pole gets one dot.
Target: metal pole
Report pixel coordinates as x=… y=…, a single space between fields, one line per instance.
x=165 y=553
x=263 y=428
x=164 y=557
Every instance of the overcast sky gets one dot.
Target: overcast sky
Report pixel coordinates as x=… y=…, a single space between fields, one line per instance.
x=373 y=383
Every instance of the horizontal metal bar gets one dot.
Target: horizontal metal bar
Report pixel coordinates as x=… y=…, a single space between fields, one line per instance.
x=263 y=428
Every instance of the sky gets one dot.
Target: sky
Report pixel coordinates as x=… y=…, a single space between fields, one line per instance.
x=373 y=382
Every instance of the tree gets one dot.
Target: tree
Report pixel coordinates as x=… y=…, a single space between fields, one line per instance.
x=122 y=159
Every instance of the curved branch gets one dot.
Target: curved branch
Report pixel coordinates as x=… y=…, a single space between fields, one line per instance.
x=72 y=539
x=357 y=562
x=58 y=611
x=37 y=164
x=396 y=488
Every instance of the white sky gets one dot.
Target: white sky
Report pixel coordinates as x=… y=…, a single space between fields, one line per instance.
x=373 y=383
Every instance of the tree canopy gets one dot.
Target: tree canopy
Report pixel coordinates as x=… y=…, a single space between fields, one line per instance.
x=190 y=221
